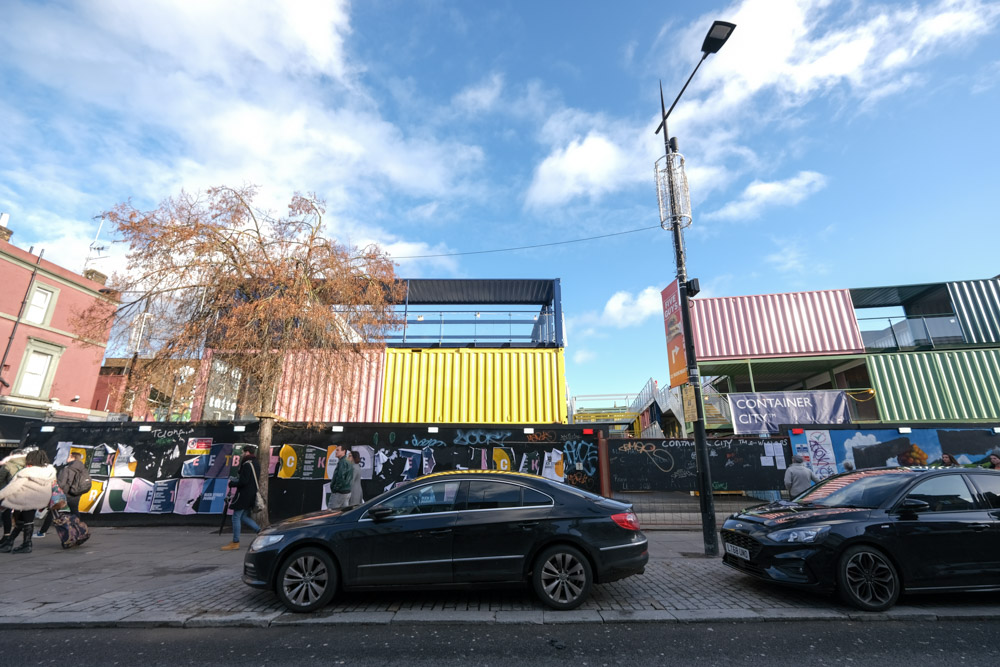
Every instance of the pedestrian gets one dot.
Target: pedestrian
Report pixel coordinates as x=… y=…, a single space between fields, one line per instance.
x=30 y=489
x=340 y=485
x=356 y=494
x=798 y=477
x=244 y=498
x=74 y=480
x=9 y=467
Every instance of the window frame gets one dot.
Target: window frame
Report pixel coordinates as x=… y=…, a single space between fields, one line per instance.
x=49 y=308
x=36 y=345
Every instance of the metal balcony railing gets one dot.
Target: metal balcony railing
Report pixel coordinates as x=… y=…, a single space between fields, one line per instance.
x=899 y=333
x=488 y=327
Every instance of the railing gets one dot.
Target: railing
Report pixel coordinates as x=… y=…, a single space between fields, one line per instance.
x=895 y=333
x=457 y=327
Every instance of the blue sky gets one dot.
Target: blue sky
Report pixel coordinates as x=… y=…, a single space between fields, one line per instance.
x=829 y=144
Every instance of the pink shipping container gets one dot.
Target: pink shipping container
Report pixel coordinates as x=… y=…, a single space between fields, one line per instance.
x=794 y=324
x=305 y=395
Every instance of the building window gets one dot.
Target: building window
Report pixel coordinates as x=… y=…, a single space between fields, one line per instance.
x=38 y=368
x=41 y=302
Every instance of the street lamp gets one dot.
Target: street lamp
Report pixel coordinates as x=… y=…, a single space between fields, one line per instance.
x=675 y=210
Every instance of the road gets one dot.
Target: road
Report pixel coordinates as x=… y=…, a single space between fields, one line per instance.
x=887 y=644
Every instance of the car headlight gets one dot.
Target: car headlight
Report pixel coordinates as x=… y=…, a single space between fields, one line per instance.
x=263 y=541
x=803 y=535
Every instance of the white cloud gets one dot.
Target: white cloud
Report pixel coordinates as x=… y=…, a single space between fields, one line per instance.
x=481 y=97
x=625 y=310
x=582 y=356
x=759 y=195
x=792 y=258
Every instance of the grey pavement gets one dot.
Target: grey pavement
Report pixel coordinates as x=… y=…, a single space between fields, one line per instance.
x=178 y=577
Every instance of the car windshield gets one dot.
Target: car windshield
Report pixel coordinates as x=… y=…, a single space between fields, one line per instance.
x=863 y=488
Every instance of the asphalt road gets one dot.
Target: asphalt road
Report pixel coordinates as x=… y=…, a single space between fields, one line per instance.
x=887 y=644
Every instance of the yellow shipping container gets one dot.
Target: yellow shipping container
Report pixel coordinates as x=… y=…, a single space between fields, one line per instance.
x=474 y=386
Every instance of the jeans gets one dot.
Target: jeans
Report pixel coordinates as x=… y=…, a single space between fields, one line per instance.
x=243 y=516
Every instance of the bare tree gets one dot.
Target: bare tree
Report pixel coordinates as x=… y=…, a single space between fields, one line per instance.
x=212 y=273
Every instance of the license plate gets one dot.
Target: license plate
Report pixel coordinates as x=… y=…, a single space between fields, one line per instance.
x=739 y=552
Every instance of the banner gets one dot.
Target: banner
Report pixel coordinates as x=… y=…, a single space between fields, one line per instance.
x=676 y=356
x=762 y=413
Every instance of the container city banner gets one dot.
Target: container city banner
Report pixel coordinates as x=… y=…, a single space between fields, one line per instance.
x=826 y=450
x=736 y=464
x=672 y=325
x=765 y=413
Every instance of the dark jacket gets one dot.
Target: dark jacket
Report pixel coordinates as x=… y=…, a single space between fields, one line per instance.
x=69 y=476
x=343 y=475
x=246 y=485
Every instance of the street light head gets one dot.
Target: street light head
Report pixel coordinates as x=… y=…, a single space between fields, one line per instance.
x=717 y=36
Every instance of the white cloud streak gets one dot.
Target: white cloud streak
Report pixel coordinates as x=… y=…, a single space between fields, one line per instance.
x=760 y=195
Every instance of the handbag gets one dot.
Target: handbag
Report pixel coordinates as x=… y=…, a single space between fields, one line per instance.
x=58 y=499
x=258 y=501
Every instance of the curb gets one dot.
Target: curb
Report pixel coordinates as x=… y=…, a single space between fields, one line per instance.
x=413 y=617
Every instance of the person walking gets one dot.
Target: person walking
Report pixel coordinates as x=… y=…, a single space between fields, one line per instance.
x=356 y=494
x=9 y=466
x=340 y=485
x=74 y=480
x=244 y=498
x=798 y=477
x=30 y=489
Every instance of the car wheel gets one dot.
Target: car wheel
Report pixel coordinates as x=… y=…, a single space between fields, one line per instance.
x=307 y=580
x=867 y=579
x=562 y=577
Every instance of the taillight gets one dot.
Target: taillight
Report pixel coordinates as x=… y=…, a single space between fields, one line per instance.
x=627 y=520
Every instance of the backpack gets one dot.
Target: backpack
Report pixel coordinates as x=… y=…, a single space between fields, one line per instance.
x=80 y=485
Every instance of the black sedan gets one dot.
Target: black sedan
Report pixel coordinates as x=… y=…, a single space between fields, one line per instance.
x=871 y=534
x=453 y=529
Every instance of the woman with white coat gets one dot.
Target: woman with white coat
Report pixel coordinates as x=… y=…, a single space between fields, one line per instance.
x=29 y=490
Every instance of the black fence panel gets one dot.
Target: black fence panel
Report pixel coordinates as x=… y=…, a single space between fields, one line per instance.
x=736 y=464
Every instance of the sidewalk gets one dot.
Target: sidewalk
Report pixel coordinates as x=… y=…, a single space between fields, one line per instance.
x=149 y=577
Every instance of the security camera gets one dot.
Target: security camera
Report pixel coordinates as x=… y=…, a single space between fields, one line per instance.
x=75 y=399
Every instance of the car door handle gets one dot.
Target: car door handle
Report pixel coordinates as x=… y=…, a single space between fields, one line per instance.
x=979 y=527
x=440 y=531
x=528 y=524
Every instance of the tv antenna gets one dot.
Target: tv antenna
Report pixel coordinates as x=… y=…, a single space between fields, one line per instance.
x=96 y=251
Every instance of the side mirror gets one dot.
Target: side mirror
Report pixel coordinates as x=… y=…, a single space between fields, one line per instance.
x=913 y=506
x=382 y=513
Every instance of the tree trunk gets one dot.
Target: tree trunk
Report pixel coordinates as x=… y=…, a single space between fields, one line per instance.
x=264 y=457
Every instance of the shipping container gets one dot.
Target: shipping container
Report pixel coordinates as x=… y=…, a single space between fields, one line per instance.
x=937 y=386
x=466 y=385
x=977 y=305
x=308 y=393
x=776 y=325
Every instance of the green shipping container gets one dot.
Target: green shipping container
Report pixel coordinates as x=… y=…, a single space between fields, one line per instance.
x=937 y=386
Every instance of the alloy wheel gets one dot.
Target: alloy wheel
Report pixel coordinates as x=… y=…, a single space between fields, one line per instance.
x=305 y=580
x=870 y=578
x=563 y=578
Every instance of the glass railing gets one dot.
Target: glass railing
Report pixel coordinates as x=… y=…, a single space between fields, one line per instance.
x=896 y=333
x=489 y=327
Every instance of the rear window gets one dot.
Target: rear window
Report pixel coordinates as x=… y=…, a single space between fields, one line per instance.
x=864 y=488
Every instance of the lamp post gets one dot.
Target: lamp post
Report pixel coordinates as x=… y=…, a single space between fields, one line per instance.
x=675 y=208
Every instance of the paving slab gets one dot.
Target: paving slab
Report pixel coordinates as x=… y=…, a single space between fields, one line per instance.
x=574 y=616
x=702 y=615
x=798 y=614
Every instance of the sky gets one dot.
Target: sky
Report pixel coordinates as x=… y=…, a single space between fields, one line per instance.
x=829 y=144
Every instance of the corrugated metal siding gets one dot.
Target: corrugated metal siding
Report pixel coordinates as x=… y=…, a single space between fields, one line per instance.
x=977 y=305
x=776 y=325
x=934 y=386
x=305 y=394
x=461 y=386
